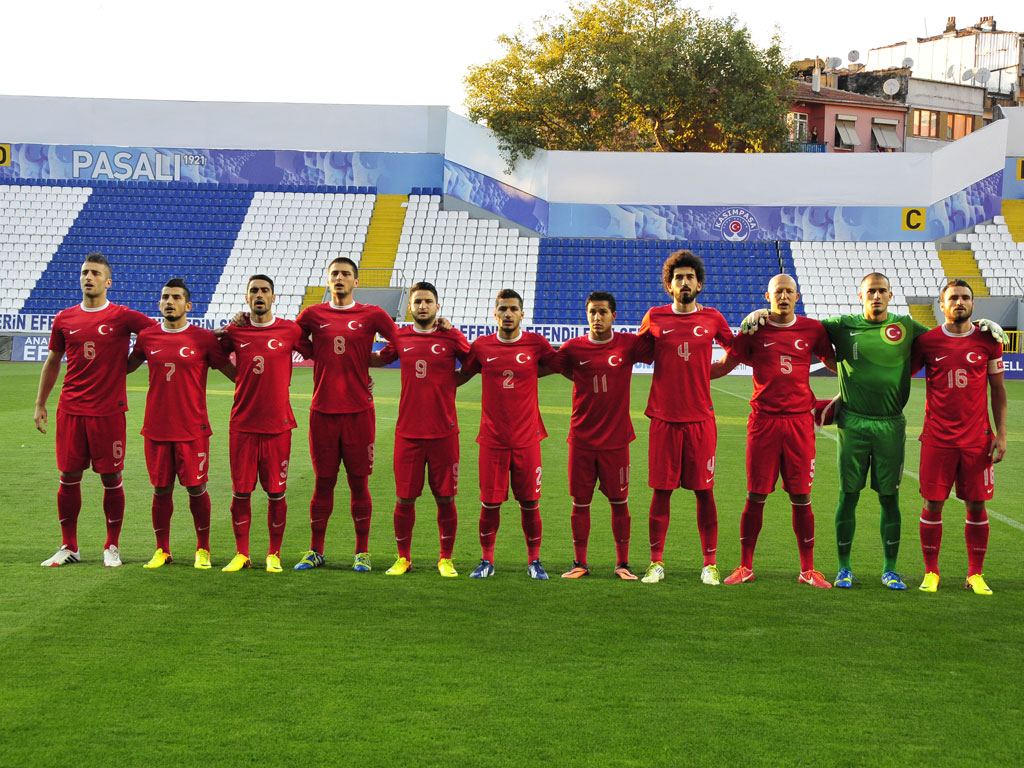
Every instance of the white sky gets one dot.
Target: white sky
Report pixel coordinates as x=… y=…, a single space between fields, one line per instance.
x=392 y=52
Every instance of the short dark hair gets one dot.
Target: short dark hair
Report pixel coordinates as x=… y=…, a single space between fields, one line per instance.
x=874 y=274
x=98 y=258
x=508 y=293
x=177 y=282
x=682 y=259
x=956 y=282
x=601 y=296
x=344 y=260
x=423 y=285
x=259 y=277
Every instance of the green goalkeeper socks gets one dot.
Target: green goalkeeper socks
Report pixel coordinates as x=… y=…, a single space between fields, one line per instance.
x=890 y=529
x=846 y=522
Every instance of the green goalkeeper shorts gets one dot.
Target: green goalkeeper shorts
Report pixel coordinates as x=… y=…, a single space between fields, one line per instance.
x=875 y=444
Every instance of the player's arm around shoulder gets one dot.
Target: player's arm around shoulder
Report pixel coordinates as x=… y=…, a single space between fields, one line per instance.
x=823 y=348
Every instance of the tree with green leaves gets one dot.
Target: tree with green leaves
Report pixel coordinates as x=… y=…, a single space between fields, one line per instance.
x=632 y=75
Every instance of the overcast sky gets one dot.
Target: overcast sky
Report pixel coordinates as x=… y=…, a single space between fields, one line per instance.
x=394 y=52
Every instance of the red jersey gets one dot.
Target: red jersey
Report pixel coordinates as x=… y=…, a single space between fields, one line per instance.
x=781 y=356
x=263 y=359
x=957 y=370
x=510 y=416
x=342 y=342
x=96 y=342
x=681 y=385
x=600 y=372
x=426 y=408
x=178 y=362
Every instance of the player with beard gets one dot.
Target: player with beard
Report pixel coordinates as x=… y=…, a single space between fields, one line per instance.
x=683 y=433
x=427 y=433
x=177 y=429
x=957 y=442
x=342 y=424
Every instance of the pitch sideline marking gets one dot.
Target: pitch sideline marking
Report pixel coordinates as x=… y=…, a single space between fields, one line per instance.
x=1001 y=518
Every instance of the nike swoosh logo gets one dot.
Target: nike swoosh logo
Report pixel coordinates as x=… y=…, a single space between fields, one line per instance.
x=584 y=362
x=941 y=358
x=445 y=537
x=324 y=325
x=710 y=479
x=890 y=543
x=152 y=351
x=199 y=477
x=843 y=543
x=407 y=349
x=402 y=539
x=489 y=359
x=857 y=333
x=246 y=344
x=276 y=525
x=72 y=333
x=670 y=330
x=769 y=343
x=808 y=541
x=623 y=488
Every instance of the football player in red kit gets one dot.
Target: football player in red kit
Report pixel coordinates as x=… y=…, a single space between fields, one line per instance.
x=93 y=399
x=177 y=428
x=510 y=427
x=427 y=433
x=261 y=424
x=600 y=365
x=780 y=429
x=958 y=444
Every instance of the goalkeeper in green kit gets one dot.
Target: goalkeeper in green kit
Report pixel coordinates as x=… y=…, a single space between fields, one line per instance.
x=873 y=352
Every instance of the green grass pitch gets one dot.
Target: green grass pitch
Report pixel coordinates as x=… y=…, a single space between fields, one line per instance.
x=184 y=667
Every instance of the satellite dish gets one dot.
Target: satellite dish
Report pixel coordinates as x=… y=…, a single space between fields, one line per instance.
x=950 y=72
x=982 y=75
x=834 y=62
x=967 y=75
x=907 y=63
x=853 y=55
x=891 y=86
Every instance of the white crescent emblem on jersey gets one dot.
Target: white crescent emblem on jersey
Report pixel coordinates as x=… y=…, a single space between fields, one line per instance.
x=354 y=324
x=186 y=352
x=799 y=342
x=970 y=359
x=435 y=350
x=521 y=355
x=612 y=361
x=700 y=330
x=270 y=344
x=102 y=332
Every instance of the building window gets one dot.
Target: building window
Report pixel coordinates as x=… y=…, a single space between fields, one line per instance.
x=883 y=135
x=926 y=123
x=797 y=122
x=958 y=126
x=846 y=133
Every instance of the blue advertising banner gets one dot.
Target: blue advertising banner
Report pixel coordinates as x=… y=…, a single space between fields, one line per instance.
x=496 y=197
x=1013 y=178
x=392 y=173
x=973 y=205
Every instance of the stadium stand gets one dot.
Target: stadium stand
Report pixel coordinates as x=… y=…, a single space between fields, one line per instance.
x=468 y=259
x=1000 y=255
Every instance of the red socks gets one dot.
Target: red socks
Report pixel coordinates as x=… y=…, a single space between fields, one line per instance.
x=163 y=508
x=803 y=527
x=976 y=534
x=362 y=510
x=405 y=518
x=447 y=522
x=532 y=529
x=658 y=522
x=277 y=516
x=199 y=506
x=931 y=539
x=320 y=508
x=113 y=513
x=241 y=521
x=621 y=523
x=579 y=521
x=490 y=520
x=707 y=524
x=69 y=504
x=750 y=527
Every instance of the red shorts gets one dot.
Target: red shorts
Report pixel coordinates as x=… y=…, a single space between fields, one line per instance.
x=498 y=464
x=610 y=466
x=265 y=456
x=338 y=437
x=189 y=461
x=682 y=455
x=98 y=440
x=780 y=445
x=970 y=468
x=441 y=459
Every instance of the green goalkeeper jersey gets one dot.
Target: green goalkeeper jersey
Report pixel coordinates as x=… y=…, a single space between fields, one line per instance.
x=874 y=362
